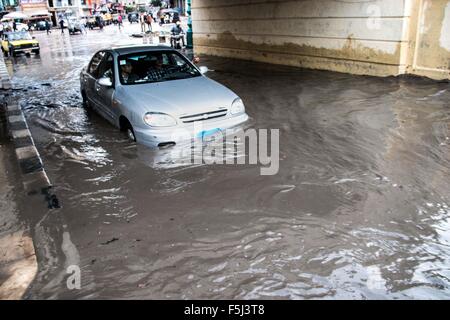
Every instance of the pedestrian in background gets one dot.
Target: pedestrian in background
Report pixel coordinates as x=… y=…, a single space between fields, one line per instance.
x=47 y=26
x=142 y=22
x=61 y=23
x=149 y=21
x=14 y=25
x=83 y=28
x=119 y=21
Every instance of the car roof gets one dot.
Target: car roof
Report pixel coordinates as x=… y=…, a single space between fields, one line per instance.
x=138 y=48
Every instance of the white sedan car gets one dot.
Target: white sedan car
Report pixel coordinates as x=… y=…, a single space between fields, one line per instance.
x=157 y=95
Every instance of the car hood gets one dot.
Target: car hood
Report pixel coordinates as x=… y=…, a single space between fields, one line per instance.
x=177 y=97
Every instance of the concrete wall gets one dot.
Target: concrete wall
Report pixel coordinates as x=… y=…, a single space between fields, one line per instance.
x=363 y=37
x=431 y=56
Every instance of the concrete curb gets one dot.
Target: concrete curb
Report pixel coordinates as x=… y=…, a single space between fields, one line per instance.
x=5 y=80
x=35 y=178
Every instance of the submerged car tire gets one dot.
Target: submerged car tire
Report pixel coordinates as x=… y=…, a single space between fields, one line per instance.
x=130 y=134
x=126 y=127
x=37 y=52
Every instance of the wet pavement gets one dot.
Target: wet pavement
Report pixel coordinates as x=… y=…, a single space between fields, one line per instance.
x=359 y=208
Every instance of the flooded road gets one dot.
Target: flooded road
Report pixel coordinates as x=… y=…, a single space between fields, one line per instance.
x=358 y=209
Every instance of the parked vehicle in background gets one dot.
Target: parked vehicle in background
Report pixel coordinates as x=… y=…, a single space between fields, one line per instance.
x=95 y=22
x=14 y=43
x=84 y=20
x=168 y=16
x=107 y=18
x=37 y=19
x=74 y=25
x=39 y=25
x=133 y=17
x=91 y=22
x=22 y=26
x=3 y=13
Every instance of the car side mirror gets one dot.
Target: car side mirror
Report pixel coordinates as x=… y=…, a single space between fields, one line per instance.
x=203 y=69
x=33 y=37
x=105 y=82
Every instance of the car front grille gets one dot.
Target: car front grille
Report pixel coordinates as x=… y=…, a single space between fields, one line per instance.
x=204 y=116
x=25 y=46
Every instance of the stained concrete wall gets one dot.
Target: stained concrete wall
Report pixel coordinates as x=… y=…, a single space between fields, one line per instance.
x=431 y=56
x=363 y=37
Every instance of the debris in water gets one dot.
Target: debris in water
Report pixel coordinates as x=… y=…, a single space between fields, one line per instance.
x=110 y=241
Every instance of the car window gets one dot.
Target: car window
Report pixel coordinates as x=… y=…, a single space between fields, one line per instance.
x=93 y=66
x=21 y=35
x=154 y=66
x=178 y=61
x=106 y=67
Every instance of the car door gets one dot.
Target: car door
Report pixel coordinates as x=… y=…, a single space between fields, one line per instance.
x=90 y=77
x=105 y=93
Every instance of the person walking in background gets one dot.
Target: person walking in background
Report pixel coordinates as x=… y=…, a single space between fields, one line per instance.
x=61 y=24
x=14 y=25
x=83 y=28
x=142 y=22
x=47 y=26
x=119 y=21
x=30 y=27
x=149 y=21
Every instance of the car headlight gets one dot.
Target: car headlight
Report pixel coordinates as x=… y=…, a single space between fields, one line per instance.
x=156 y=119
x=237 y=107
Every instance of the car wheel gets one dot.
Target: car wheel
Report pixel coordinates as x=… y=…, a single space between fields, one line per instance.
x=36 y=52
x=126 y=127
x=130 y=133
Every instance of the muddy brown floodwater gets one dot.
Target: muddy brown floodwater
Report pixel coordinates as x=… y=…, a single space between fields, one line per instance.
x=358 y=209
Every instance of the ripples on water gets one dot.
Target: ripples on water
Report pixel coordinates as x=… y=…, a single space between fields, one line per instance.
x=359 y=209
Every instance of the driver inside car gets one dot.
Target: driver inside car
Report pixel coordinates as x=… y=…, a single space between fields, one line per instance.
x=126 y=69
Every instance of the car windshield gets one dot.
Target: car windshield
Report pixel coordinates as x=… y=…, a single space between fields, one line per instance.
x=19 y=36
x=154 y=66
